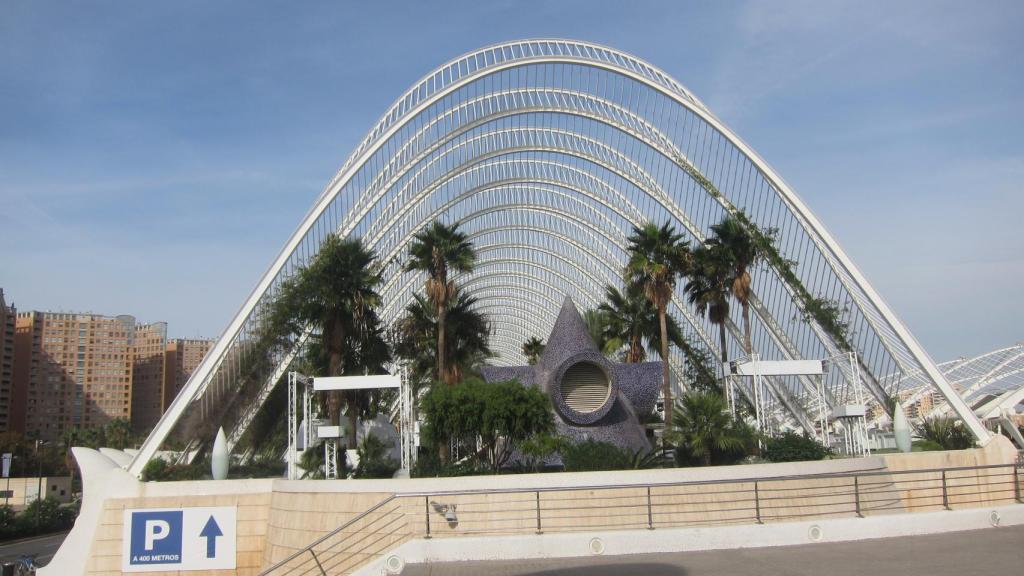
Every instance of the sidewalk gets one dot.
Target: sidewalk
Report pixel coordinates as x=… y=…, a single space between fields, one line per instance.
x=995 y=551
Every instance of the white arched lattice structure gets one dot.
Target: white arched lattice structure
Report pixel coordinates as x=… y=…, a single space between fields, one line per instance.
x=547 y=152
x=989 y=383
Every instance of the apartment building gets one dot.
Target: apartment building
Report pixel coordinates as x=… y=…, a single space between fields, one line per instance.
x=72 y=371
x=61 y=370
x=148 y=346
x=181 y=358
x=8 y=316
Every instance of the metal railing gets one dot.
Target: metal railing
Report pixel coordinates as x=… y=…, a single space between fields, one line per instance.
x=343 y=549
x=650 y=506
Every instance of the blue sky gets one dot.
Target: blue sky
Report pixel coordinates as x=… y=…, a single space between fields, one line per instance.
x=154 y=157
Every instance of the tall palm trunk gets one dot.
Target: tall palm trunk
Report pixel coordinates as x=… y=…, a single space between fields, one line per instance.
x=441 y=349
x=335 y=399
x=335 y=338
x=353 y=419
x=745 y=303
x=726 y=386
x=722 y=343
x=666 y=387
x=635 y=349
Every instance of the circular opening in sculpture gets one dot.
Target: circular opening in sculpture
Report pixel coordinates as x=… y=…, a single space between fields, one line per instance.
x=585 y=387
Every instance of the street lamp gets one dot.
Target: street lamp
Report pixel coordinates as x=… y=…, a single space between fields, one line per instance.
x=39 y=486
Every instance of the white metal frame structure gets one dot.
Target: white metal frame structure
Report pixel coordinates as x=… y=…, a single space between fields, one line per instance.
x=989 y=383
x=547 y=152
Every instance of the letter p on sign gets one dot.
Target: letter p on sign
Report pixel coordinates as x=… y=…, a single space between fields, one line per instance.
x=156 y=530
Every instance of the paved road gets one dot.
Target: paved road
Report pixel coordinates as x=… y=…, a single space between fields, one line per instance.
x=44 y=546
x=998 y=552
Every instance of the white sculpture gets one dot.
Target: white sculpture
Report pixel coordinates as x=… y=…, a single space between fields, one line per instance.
x=219 y=456
x=901 y=428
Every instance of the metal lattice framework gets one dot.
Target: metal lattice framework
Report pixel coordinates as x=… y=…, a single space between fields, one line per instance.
x=989 y=383
x=548 y=152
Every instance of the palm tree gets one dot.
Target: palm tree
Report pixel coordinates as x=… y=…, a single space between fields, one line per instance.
x=532 y=349
x=436 y=250
x=947 y=432
x=631 y=321
x=705 y=426
x=119 y=433
x=658 y=256
x=625 y=316
x=69 y=439
x=709 y=288
x=743 y=252
x=596 y=321
x=467 y=337
x=336 y=294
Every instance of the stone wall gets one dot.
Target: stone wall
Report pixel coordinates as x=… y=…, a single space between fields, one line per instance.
x=276 y=518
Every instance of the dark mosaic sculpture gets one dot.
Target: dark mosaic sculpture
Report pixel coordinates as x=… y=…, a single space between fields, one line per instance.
x=634 y=388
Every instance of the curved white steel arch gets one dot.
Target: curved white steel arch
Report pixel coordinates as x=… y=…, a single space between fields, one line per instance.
x=483 y=162
x=484 y=158
x=989 y=383
x=712 y=162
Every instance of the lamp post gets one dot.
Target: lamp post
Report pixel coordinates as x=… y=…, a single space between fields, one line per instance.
x=8 y=459
x=39 y=486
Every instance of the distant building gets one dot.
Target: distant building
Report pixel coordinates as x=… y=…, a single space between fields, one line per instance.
x=18 y=493
x=181 y=358
x=72 y=371
x=8 y=316
x=61 y=370
x=148 y=347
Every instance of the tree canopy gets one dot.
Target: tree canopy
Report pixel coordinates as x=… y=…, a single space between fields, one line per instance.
x=501 y=414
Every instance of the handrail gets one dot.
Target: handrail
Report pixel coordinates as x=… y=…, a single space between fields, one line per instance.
x=334 y=532
x=758 y=509
x=698 y=482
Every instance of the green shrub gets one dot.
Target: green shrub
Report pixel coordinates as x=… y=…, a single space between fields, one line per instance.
x=428 y=465
x=42 y=517
x=539 y=447
x=707 y=434
x=793 y=447
x=926 y=446
x=501 y=415
x=8 y=522
x=258 y=469
x=594 y=455
x=719 y=457
x=373 y=459
x=160 y=470
x=947 y=432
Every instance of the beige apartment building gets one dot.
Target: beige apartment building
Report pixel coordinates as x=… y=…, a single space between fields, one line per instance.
x=162 y=367
x=61 y=370
x=181 y=358
x=148 y=346
x=7 y=323
x=73 y=371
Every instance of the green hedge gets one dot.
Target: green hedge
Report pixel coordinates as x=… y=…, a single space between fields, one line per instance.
x=40 y=517
x=793 y=447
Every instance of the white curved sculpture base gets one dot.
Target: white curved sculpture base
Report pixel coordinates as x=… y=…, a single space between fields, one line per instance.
x=100 y=476
x=901 y=429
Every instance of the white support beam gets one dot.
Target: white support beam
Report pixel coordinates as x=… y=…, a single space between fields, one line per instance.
x=777 y=368
x=326 y=383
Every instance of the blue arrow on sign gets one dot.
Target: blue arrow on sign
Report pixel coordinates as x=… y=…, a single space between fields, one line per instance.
x=210 y=532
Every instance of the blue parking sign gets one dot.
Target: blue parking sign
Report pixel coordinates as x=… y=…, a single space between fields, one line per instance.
x=156 y=537
x=179 y=539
